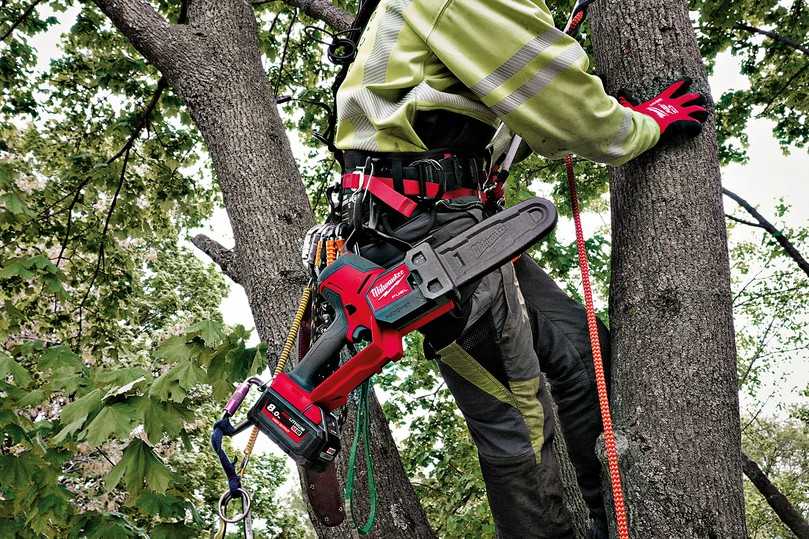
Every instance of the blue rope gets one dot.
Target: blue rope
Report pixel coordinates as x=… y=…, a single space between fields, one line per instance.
x=223 y=428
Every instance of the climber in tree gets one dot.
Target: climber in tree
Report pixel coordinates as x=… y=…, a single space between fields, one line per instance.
x=416 y=111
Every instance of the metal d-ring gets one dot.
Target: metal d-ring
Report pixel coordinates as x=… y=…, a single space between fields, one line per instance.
x=225 y=499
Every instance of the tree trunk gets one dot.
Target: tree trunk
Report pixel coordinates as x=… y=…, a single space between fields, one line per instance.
x=214 y=64
x=674 y=362
x=397 y=515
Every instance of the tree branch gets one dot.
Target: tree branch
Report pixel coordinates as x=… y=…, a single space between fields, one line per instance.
x=322 y=10
x=777 y=37
x=20 y=19
x=151 y=34
x=222 y=256
x=140 y=124
x=783 y=87
x=742 y=221
x=280 y=74
x=791 y=518
x=770 y=228
x=101 y=256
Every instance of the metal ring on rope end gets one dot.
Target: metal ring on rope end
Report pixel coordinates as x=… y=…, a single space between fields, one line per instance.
x=226 y=498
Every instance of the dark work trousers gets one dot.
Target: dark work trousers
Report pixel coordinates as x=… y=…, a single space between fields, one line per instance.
x=512 y=323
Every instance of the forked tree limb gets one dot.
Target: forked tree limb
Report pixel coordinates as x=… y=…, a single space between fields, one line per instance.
x=225 y=258
x=789 y=42
x=779 y=236
x=155 y=37
x=322 y=10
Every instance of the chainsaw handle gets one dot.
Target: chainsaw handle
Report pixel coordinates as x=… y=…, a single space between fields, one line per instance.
x=325 y=348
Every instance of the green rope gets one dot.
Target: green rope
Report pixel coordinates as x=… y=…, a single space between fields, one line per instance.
x=362 y=428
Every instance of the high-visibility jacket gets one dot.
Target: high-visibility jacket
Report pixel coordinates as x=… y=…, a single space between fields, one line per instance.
x=490 y=60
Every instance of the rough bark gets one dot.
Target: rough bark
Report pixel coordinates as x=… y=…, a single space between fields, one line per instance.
x=214 y=64
x=674 y=362
x=399 y=514
x=790 y=516
x=577 y=509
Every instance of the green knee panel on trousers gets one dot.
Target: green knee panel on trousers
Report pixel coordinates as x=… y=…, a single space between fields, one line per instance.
x=522 y=395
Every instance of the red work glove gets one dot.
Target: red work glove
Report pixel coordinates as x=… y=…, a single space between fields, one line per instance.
x=674 y=109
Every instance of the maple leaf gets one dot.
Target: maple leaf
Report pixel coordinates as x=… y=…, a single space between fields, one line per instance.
x=115 y=419
x=139 y=468
x=211 y=332
x=75 y=414
x=161 y=417
x=8 y=366
x=174 y=384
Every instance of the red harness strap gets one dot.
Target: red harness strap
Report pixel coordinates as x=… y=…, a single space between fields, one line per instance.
x=382 y=188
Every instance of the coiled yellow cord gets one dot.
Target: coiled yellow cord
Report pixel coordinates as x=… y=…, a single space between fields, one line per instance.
x=293 y=331
x=279 y=367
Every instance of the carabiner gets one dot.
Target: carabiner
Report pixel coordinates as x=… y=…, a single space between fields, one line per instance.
x=226 y=498
x=246 y=518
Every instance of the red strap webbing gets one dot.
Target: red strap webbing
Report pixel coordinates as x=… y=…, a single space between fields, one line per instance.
x=382 y=188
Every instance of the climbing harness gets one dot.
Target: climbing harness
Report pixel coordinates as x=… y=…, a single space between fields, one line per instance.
x=395 y=183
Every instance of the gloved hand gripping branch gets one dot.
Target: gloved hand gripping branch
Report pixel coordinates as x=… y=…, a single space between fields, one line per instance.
x=675 y=109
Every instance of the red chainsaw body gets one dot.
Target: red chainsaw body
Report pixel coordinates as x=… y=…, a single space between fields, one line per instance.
x=362 y=295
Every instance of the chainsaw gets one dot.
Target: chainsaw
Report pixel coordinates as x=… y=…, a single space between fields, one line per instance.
x=374 y=309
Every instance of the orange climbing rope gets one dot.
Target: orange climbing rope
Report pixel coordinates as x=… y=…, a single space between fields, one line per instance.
x=601 y=383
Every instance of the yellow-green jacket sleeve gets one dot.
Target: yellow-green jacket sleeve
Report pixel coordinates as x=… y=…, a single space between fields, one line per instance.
x=533 y=76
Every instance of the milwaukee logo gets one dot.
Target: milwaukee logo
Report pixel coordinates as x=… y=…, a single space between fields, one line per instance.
x=383 y=289
x=662 y=109
x=482 y=243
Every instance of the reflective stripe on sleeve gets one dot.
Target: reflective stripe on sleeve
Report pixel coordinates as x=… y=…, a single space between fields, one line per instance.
x=517 y=62
x=543 y=77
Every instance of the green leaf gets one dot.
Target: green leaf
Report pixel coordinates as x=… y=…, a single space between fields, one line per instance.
x=60 y=357
x=17 y=267
x=163 y=505
x=259 y=359
x=75 y=414
x=119 y=377
x=125 y=389
x=176 y=530
x=14 y=203
x=160 y=417
x=33 y=398
x=8 y=366
x=116 y=419
x=211 y=332
x=18 y=470
x=95 y=525
x=139 y=468
x=174 y=349
x=177 y=381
